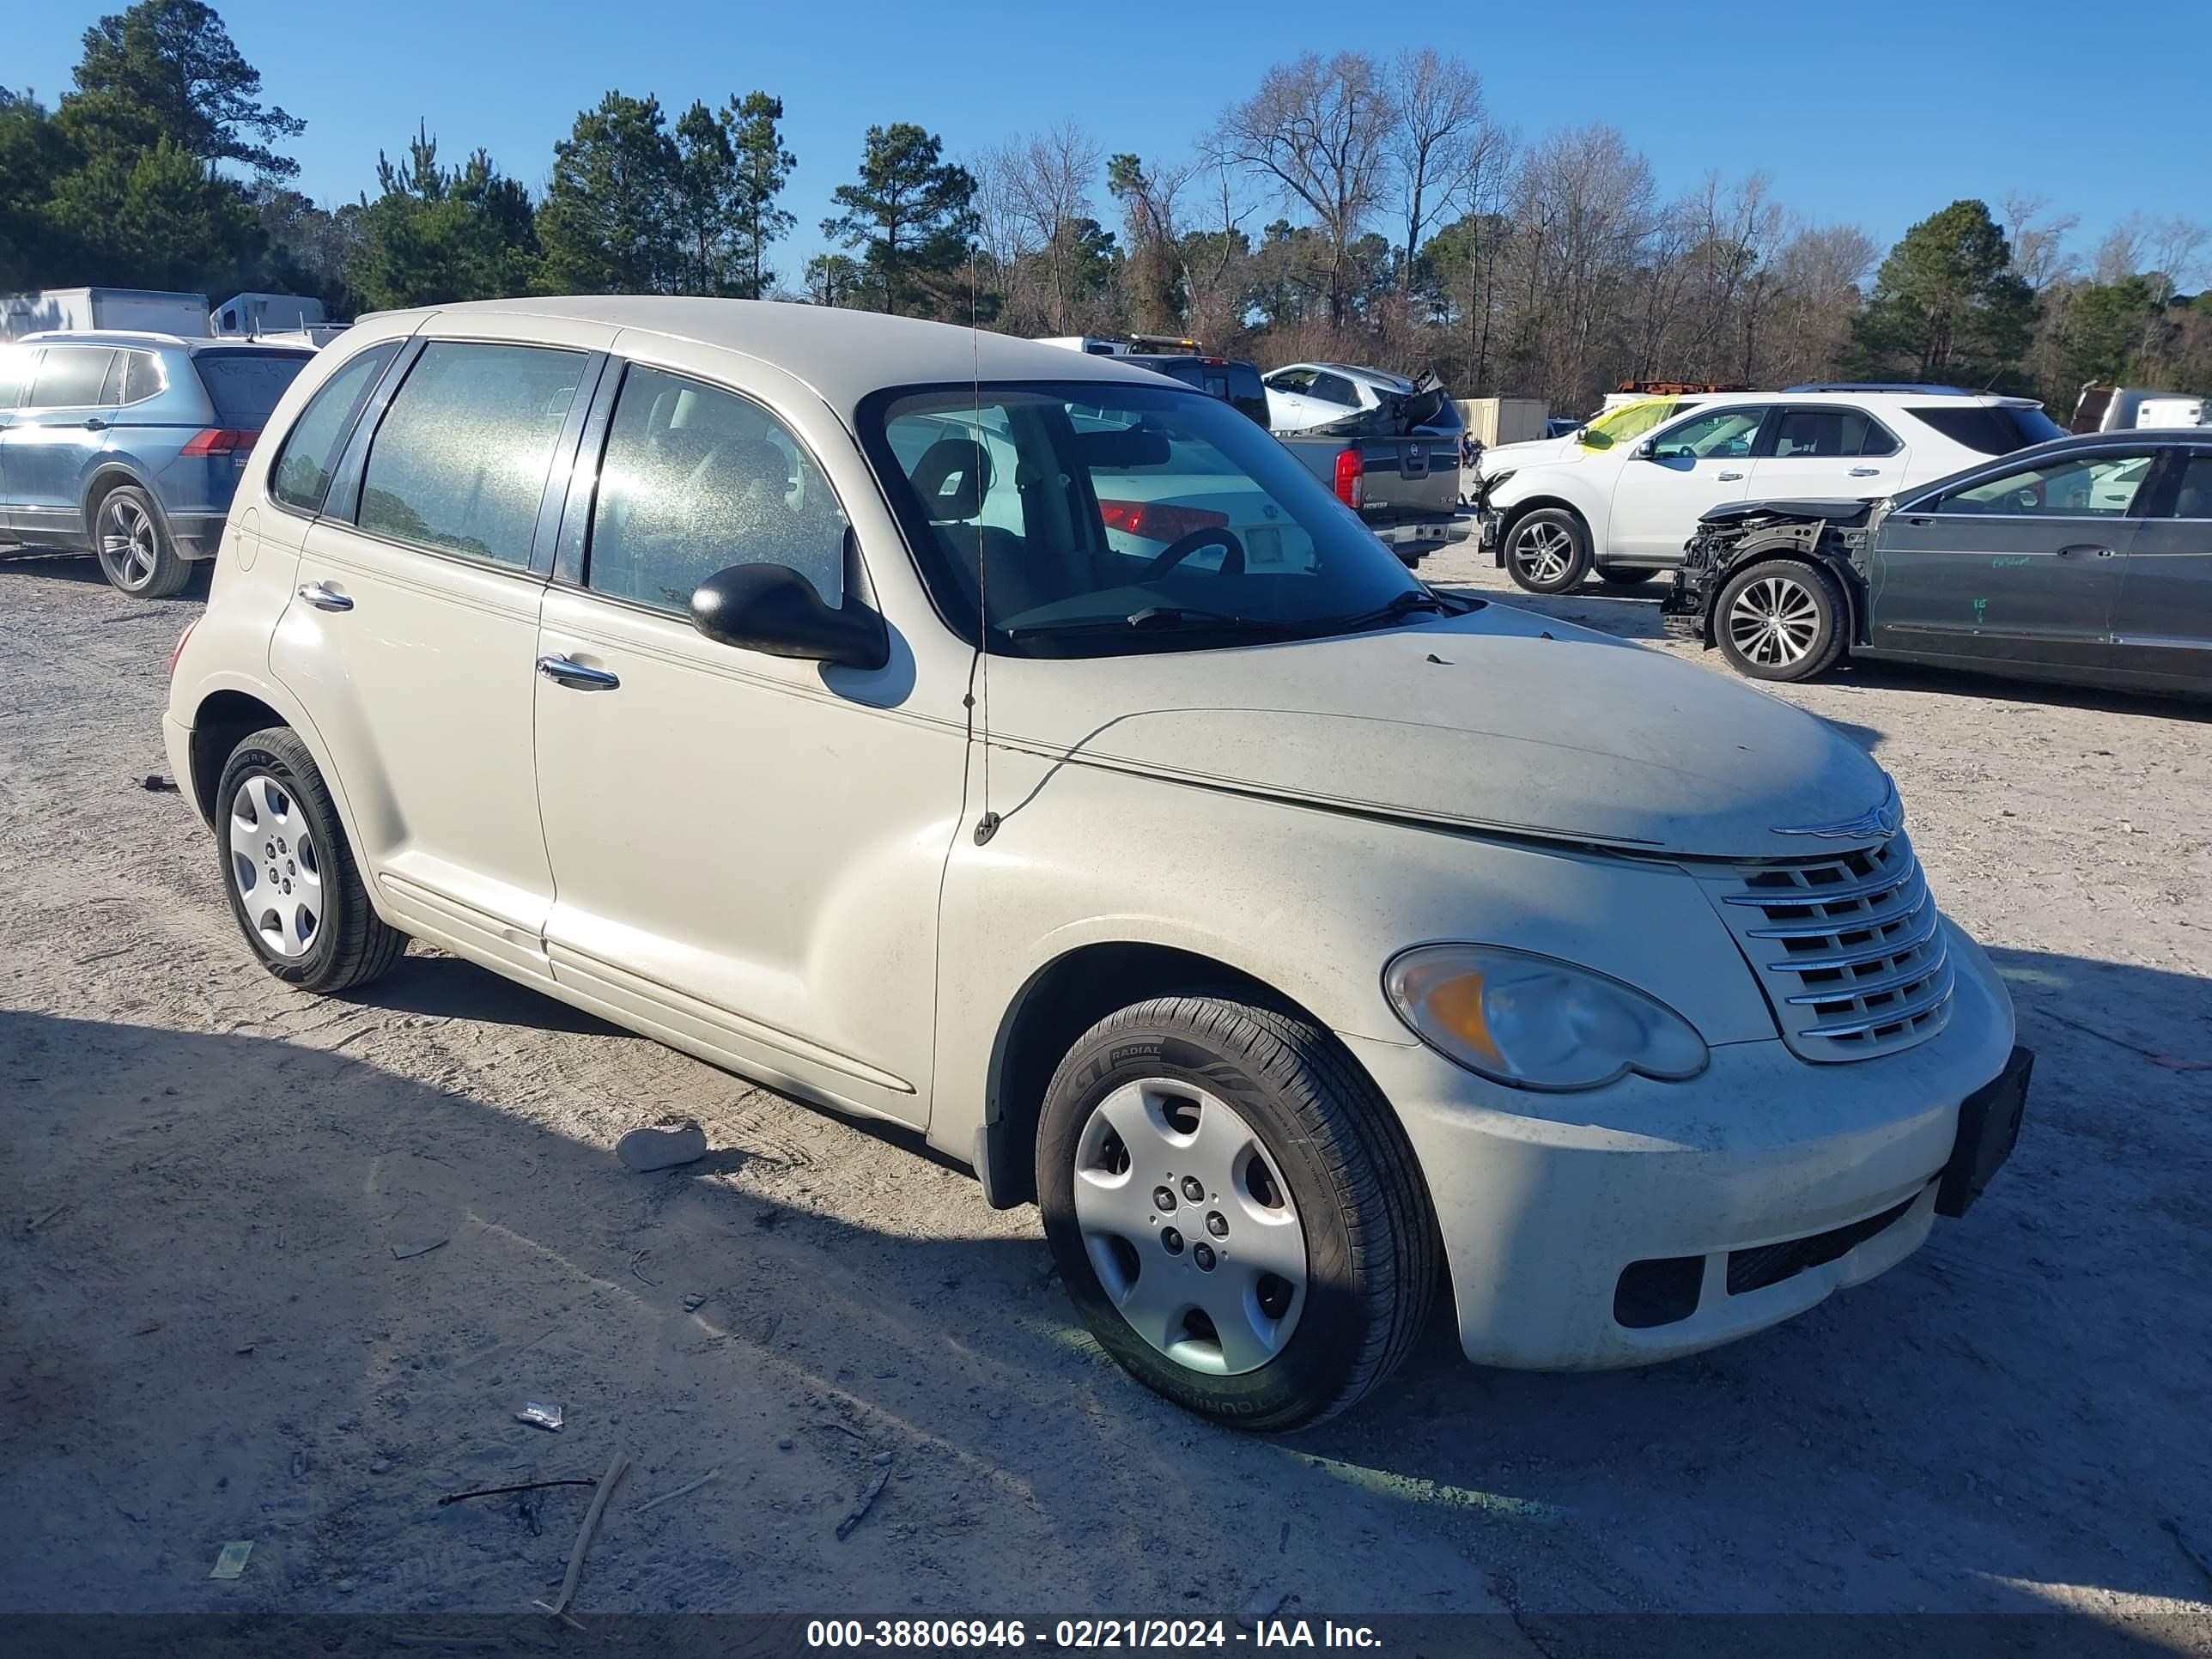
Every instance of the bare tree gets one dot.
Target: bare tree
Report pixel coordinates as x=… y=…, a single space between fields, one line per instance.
x=1037 y=195
x=1147 y=191
x=1318 y=130
x=2040 y=254
x=1442 y=139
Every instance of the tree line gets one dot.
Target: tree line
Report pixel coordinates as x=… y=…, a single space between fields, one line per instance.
x=1349 y=208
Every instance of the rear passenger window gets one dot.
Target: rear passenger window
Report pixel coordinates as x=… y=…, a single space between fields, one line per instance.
x=460 y=461
x=697 y=479
x=1830 y=433
x=301 y=477
x=71 y=378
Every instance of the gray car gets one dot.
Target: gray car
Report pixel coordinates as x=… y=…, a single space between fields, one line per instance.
x=128 y=446
x=2085 y=559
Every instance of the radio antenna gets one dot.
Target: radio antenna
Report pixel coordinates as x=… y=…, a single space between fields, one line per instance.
x=980 y=675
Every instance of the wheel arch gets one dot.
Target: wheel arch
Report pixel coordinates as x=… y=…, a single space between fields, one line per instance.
x=1512 y=516
x=106 y=475
x=1061 y=1000
x=1791 y=550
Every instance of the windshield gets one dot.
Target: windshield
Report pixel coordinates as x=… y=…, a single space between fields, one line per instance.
x=245 y=385
x=1104 y=517
x=1628 y=421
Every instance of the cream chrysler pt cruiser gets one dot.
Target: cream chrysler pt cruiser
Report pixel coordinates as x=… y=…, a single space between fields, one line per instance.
x=1024 y=748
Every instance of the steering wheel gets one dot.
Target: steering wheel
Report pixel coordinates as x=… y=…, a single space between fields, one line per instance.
x=1232 y=558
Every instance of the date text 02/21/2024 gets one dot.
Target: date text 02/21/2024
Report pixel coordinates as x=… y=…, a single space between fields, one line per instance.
x=1084 y=1635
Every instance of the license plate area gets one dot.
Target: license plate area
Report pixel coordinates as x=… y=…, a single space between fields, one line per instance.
x=1989 y=1127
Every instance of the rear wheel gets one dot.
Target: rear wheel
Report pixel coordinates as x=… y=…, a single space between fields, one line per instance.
x=1234 y=1209
x=1547 y=551
x=1780 y=620
x=134 y=546
x=1615 y=575
x=294 y=888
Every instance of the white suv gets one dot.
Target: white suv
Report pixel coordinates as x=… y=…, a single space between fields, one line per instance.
x=775 y=681
x=1623 y=494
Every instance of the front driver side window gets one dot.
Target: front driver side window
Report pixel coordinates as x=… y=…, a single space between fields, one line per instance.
x=1724 y=435
x=697 y=479
x=2074 y=487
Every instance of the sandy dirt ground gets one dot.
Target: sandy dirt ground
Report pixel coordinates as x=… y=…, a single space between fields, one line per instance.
x=283 y=1270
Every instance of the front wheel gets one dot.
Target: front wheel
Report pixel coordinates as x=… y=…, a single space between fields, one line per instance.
x=1234 y=1209
x=136 y=552
x=1780 y=620
x=1547 y=551
x=293 y=887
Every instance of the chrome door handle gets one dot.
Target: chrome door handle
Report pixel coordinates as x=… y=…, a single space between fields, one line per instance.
x=561 y=670
x=1866 y=471
x=2085 y=547
x=323 y=597
x=95 y=425
x=1729 y=477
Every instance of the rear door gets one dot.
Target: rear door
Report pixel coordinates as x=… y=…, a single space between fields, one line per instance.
x=2020 y=567
x=412 y=638
x=1697 y=464
x=51 y=442
x=1827 y=452
x=2162 y=623
x=18 y=363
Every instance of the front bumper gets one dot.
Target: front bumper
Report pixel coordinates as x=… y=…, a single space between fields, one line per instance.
x=1545 y=1201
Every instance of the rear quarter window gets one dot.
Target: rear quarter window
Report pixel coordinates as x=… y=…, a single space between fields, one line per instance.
x=1989 y=431
x=245 y=385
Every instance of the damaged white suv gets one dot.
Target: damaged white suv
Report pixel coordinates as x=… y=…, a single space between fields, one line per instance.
x=1020 y=747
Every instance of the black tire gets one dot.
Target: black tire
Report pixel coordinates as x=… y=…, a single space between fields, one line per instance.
x=132 y=542
x=1806 y=633
x=348 y=944
x=1535 y=558
x=1615 y=575
x=1371 y=1253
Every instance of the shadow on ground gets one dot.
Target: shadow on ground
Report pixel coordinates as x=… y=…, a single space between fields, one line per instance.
x=260 y=1290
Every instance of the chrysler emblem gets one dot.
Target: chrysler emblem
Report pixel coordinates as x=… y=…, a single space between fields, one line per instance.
x=1880 y=823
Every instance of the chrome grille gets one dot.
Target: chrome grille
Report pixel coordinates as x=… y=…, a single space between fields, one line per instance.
x=1848 y=948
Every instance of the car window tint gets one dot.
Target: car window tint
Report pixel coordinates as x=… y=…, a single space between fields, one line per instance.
x=1336 y=389
x=71 y=377
x=1724 y=435
x=697 y=479
x=1993 y=431
x=2193 y=498
x=1292 y=379
x=1829 y=434
x=245 y=385
x=301 y=476
x=2102 y=486
x=142 y=377
x=460 y=461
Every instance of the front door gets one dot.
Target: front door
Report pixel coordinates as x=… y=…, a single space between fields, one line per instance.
x=1698 y=463
x=411 y=634
x=2020 y=567
x=746 y=850
x=51 y=440
x=2162 y=623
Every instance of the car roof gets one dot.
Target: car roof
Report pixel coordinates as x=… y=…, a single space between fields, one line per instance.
x=134 y=336
x=843 y=355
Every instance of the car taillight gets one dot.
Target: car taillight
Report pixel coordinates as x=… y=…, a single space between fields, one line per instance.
x=180 y=651
x=1350 y=478
x=221 y=441
x=1159 y=521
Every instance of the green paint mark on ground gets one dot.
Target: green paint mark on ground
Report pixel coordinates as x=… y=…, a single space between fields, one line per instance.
x=1412 y=1488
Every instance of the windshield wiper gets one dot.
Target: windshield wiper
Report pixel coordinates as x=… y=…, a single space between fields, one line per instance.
x=1151 y=617
x=1401 y=606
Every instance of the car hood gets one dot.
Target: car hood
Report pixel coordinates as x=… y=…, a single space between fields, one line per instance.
x=1497 y=720
x=1536 y=452
x=1835 y=512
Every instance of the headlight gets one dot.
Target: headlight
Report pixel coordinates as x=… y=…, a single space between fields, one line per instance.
x=1536 y=1023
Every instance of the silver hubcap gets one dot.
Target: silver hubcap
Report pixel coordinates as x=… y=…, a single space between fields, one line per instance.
x=1544 y=552
x=1190 y=1226
x=126 y=542
x=275 y=866
x=1774 y=622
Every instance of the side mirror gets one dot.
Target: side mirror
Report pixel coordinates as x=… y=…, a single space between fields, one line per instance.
x=773 y=609
x=1647 y=450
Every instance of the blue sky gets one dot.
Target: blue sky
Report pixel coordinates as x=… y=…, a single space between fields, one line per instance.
x=1862 y=111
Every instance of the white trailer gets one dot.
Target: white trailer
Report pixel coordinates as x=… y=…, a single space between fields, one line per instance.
x=148 y=310
x=246 y=315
